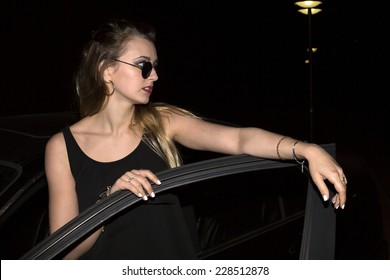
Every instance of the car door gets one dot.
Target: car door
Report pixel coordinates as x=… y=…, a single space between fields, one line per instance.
x=311 y=228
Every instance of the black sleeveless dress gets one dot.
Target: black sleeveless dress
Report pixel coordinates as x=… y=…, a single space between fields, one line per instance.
x=153 y=229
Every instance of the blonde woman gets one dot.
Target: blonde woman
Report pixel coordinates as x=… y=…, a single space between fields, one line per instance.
x=123 y=140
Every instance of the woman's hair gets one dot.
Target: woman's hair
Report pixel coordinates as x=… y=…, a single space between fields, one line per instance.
x=108 y=43
x=149 y=118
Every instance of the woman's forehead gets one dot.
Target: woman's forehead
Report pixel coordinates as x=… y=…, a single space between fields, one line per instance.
x=140 y=47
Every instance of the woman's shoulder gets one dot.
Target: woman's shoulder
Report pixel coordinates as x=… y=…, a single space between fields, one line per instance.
x=57 y=140
x=171 y=111
x=55 y=144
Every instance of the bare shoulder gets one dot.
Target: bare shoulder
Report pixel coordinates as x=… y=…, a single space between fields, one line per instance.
x=55 y=149
x=55 y=142
x=57 y=166
x=171 y=112
x=174 y=117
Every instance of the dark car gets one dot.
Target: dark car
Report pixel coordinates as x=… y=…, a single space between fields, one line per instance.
x=241 y=207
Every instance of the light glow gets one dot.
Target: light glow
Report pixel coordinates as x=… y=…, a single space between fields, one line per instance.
x=306 y=11
x=308 y=4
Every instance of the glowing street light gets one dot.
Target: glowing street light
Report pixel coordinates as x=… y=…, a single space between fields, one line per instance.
x=310 y=8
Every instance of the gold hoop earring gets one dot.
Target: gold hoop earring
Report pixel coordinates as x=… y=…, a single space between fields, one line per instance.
x=113 y=88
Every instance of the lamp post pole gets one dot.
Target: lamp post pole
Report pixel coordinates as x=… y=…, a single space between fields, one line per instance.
x=311 y=109
x=308 y=8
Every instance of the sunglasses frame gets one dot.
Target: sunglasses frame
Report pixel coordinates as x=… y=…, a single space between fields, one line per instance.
x=146 y=68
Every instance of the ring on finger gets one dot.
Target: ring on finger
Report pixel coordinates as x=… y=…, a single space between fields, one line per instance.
x=344 y=179
x=130 y=179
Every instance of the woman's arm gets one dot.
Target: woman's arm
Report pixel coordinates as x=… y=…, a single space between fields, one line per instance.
x=201 y=135
x=63 y=203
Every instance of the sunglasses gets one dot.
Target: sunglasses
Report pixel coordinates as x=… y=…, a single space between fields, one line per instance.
x=146 y=67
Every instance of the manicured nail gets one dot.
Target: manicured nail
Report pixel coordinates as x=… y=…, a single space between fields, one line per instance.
x=158 y=182
x=342 y=206
x=145 y=197
x=325 y=197
x=152 y=194
x=337 y=206
x=139 y=195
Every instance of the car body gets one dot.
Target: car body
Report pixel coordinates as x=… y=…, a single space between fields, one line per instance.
x=243 y=207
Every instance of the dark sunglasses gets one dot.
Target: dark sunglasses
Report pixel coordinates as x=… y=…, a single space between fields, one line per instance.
x=146 y=67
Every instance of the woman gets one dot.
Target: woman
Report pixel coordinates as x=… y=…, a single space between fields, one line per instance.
x=122 y=140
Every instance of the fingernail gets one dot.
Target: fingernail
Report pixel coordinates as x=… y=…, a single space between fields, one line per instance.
x=145 y=197
x=158 y=182
x=152 y=194
x=325 y=197
x=139 y=195
x=337 y=206
x=342 y=206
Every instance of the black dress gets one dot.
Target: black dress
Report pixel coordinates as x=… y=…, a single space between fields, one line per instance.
x=153 y=229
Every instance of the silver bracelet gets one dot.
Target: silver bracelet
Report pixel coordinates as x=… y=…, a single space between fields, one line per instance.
x=302 y=163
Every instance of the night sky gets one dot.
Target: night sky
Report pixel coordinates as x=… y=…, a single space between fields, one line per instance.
x=241 y=62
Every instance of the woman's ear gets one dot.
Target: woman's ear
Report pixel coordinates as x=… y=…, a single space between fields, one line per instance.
x=107 y=72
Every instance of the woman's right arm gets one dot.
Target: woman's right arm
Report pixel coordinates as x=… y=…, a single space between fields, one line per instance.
x=63 y=203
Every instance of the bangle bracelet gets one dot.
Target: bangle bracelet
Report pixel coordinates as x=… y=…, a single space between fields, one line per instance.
x=277 y=147
x=302 y=163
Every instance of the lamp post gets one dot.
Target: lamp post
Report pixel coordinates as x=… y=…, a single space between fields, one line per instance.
x=309 y=8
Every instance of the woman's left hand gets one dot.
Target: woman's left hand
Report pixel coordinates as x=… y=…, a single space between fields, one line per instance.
x=323 y=166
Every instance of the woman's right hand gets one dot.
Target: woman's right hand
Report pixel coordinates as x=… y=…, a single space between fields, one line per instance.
x=137 y=182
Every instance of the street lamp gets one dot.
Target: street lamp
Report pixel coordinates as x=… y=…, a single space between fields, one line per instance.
x=309 y=8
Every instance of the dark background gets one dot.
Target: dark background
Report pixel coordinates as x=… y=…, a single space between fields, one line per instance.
x=241 y=62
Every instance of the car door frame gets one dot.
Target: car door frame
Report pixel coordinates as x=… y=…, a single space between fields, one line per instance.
x=319 y=232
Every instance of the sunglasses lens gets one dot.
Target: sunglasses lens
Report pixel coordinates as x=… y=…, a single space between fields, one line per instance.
x=147 y=69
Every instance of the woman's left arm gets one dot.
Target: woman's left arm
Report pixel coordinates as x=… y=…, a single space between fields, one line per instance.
x=201 y=135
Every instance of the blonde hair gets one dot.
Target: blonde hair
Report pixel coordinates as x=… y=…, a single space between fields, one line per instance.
x=150 y=120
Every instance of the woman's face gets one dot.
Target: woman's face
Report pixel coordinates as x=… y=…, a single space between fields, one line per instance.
x=127 y=75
